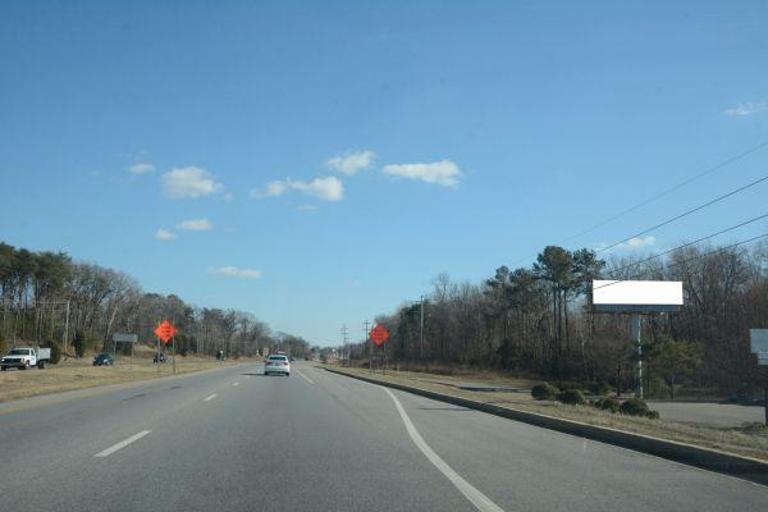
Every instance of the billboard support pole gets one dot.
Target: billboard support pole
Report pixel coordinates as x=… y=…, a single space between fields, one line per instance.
x=636 y=338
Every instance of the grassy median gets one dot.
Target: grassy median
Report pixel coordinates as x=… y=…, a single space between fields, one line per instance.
x=80 y=373
x=749 y=440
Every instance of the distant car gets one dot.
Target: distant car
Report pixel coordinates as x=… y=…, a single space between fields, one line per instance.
x=103 y=359
x=291 y=359
x=277 y=364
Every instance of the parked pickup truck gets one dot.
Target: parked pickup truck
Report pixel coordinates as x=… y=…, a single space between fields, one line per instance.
x=25 y=357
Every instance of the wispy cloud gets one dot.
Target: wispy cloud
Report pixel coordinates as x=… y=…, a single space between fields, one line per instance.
x=307 y=207
x=352 y=162
x=242 y=273
x=195 y=224
x=444 y=173
x=141 y=168
x=327 y=189
x=164 y=234
x=190 y=182
x=747 y=109
x=633 y=244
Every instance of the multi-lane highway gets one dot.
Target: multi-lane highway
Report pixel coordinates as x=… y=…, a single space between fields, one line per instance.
x=235 y=440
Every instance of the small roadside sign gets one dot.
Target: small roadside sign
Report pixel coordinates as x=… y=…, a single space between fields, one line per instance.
x=125 y=338
x=379 y=334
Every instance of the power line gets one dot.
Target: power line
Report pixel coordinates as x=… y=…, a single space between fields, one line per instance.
x=694 y=242
x=668 y=191
x=685 y=213
x=686 y=260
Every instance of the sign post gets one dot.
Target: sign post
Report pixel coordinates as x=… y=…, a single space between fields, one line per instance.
x=167 y=332
x=758 y=343
x=125 y=338
x=637 y=298
x=379 y=334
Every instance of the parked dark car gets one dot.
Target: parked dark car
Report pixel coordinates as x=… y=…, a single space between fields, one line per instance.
x=103 y=359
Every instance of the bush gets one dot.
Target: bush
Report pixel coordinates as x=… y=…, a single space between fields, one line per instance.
x=55 y=352
x=634 y=407
x=572 y=397
x=81 y=343
x=544 y=391
x=654 y=415
x=607 y=403
x=600 y=388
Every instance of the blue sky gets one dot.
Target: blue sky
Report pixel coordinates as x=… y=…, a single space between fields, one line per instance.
x=466 y=135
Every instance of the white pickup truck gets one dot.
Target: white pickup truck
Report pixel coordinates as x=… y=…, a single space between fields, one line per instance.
x=26 y=357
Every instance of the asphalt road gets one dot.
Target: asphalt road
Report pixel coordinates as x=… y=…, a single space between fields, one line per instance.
x=235 y=440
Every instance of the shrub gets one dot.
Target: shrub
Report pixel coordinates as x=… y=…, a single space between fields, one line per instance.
x=634 y=407
x=544 y=391
x=600 y=388
x=572 y=397
x=55 y=352
x=654 y=415
x=81 y=343
x=607 y=403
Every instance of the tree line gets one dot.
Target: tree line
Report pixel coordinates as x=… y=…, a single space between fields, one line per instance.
x=50 y=299
x=537 y=321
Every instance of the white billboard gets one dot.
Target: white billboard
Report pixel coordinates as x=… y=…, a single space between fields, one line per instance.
x=758 y=340
x=637 y=296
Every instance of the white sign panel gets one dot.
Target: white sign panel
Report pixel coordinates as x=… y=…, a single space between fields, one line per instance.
x=758 y=341
x=637 y=296
x=125 y=338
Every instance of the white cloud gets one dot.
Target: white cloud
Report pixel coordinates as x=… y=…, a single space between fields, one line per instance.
x=633 y=244
x=351 y=163
x=273 y=189
x=141 y=168
x=444 y=172
x=639 y=242
x=190 y=182
x=195 y=224
x=243 y=273
x=328 y=189
x=164 y=234
x=747 y=109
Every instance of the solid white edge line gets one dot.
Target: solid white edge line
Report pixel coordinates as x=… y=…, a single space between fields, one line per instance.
x=477 y=498
x=210 y=397
x=305 y=377
x=122 y=444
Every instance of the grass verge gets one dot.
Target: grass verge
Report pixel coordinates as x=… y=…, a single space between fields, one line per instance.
x=80 y=374
x=749 y=440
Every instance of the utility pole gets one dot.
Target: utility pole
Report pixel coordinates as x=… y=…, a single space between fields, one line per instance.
x=345 y=340
x=636 y=329
x=366 y=331
x=421 y=330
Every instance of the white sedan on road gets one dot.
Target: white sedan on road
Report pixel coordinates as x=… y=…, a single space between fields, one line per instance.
x=277 y=364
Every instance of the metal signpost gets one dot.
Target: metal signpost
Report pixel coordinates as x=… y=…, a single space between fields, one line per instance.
x=758 y=342
x=125 y=338
x=637 y=298
x=379 y=334
x=167 y=332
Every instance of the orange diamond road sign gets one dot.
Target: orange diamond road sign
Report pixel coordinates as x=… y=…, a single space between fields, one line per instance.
x=379 y=334
x=165 y=331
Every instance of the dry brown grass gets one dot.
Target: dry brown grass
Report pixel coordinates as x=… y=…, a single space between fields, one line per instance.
x=751 y=440
x=80 y=373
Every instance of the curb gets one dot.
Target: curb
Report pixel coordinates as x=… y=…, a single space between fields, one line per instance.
x=745 y=468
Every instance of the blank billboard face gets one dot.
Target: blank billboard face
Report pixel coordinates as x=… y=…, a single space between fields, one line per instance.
x=637 y=296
